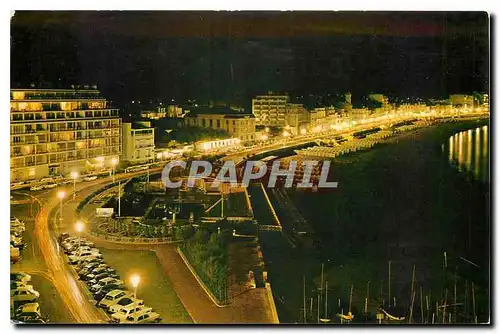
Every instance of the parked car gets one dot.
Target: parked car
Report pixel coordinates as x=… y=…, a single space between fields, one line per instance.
x=73 y=259
x=125 y=302
x=19 y=284
x=20 y=228
x=17 y=183
x=61 y=237
x=16 y=241
x=112 y=298
x=47 y=179
x=20 y=277
x=90 y=178
x=98 y=260
x=36 y=188
x=28 y=312
x=145 y=317
x=83 y=249
x=103 y=282
x=86 y=269
x=15 y=220
x=127 y=311
x=24 y=294
x=50 y=185
x=15 y=254
x=101 y=276
x=107 y=288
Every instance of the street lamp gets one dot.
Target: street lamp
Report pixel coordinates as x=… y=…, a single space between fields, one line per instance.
x=74 y=175
x=114 y=162
x=61 y=194
x=79 y=227
x=135 y=280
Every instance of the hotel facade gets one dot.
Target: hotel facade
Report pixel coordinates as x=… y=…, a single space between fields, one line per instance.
x=55 y=132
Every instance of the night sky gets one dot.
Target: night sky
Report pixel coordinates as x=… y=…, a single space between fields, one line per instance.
x=232 y=56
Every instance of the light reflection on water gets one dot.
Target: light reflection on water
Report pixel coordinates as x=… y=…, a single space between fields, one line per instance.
x=469 y=152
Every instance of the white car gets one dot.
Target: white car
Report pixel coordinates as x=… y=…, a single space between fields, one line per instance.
x=107 y=280
x=112 y=298
x=36 y=188
x=125 y=302
x=50 y=185
x=145 y=317
x=127 y=311
x=90 y=178
x=23 y=294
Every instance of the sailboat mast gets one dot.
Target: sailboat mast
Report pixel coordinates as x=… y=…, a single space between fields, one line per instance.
x=304 y=292
x=390 y=283
x=350 y=297
x=474 y=303
x=326 y=299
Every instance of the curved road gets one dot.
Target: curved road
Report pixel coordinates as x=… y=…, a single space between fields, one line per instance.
x=71 y=291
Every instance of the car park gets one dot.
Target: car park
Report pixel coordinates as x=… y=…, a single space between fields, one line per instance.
x=127 y=311
x=145 y=317
x=125 y=302
x=112 y=297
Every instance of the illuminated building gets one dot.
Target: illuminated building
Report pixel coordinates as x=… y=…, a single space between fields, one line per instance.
x=57 y=131
x=270 y=110
x=236 y=124
x=138 y=145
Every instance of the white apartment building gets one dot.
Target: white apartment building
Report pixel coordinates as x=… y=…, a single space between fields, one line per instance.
x=57 y=131
x=138 y=142
x=270 y=110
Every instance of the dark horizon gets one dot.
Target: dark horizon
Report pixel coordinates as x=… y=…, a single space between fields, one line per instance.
x=232 y=56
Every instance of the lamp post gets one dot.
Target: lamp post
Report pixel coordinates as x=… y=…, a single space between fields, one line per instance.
x=61 y=194
x=114 y=162
x=135 y=280
x=74 y=175
x=79 y=227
